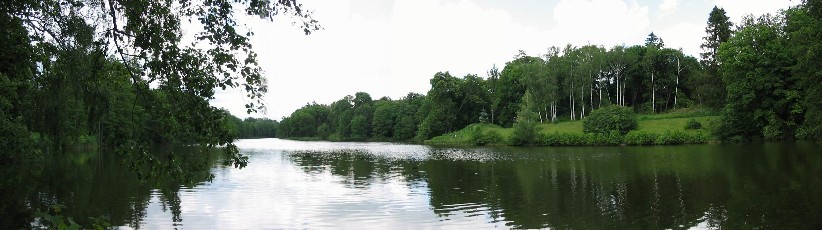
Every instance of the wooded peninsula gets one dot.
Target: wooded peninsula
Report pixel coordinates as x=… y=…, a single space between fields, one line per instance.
x=756 y=81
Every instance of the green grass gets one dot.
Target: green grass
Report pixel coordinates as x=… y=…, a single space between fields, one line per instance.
x=672 y=124
x=463 y=136
x=659 y=124
x=561 y=127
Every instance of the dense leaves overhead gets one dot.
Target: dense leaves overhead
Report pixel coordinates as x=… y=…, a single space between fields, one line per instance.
x=121 y=71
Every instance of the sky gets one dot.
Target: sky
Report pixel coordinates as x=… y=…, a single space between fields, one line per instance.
x=393 y=47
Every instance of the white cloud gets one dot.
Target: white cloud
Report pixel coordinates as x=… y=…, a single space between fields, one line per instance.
x=687 y=36
x=735 y=9
x=601 y=22
x=430 y=35
x=668 y=6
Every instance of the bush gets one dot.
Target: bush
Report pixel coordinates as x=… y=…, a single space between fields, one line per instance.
x=525 y=128
x=609 y=119
x=480 y=137
x=672 y=138
x=667 y=138
x=693 y=124
x=579 y=139
x=640 y=138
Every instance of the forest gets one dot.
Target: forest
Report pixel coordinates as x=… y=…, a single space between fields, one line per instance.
x=759 y=75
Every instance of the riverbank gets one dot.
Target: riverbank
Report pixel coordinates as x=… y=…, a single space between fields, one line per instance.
x=661 y=129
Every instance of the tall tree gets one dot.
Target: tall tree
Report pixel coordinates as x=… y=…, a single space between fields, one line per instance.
x=494 y=93
x=711 y=88
x=805 y=30
x=763 y=98
x=440 y=106
x=617 y=62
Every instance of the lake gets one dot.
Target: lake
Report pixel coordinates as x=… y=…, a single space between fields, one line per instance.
x=317 y=185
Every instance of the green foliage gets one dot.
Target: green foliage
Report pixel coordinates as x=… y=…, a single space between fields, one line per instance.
x=762 y=94
x=482 y=134
x=609 y=119
x=693 y=124
x=709 y=87
x=640 y=138
x=359 y=127
x=579 y=139
x=667 y=138
x=304 y=122
x=16 y=141
x=64 y=83
x=804 y=28
x=323 y=131
x=53 y=219
x=525 y=128
x=384 y=119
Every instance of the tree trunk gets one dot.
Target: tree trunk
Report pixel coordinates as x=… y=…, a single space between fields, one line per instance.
x=676 y=89
x=591 y=91
x=600 y=97
x=571 y=100
x=653 y=93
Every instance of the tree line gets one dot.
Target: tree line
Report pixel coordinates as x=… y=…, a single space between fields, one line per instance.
x=564 y=84
x=759 y=75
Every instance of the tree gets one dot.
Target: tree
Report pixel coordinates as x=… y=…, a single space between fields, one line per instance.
x=654 y=41
x=146 y=38
x=440 y=106
x=494 y=93
x=617 y=63
x=763 y=98
x=384 y=119
x=525 y=128
x=804 y=25
x=359 y=127
x=551 y=83
x=511 y=86
x=407 y=121
x=340 y=116
x=711 y=88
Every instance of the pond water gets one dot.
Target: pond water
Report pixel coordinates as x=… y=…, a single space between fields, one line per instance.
x=292 y=184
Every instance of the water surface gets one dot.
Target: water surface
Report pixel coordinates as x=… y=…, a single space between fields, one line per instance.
x=291 y=184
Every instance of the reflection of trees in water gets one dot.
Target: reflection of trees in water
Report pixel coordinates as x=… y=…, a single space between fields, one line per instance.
x=643 y=187
x=358 y=169
x=117 y=187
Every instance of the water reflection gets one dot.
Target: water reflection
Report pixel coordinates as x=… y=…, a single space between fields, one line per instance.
x=92 y=184
x=293 y=184
x=707 y=186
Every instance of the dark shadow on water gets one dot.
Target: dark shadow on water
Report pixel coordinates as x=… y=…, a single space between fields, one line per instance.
x=92 y=183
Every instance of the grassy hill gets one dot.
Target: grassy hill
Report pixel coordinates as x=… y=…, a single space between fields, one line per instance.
x=669 y=128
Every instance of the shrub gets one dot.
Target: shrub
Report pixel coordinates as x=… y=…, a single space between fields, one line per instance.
x=480 y=137
x=640 y=138
x=525 y=128
x=667 y=138
x=610 y=118
x=693 y=124
x=697 y=138
x=551 y=139
x=672 y=138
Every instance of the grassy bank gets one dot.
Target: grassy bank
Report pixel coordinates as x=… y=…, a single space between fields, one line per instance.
x=659 y=129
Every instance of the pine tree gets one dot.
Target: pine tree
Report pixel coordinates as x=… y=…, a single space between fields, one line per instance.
x=712 y=90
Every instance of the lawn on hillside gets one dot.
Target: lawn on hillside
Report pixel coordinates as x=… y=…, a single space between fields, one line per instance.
x=659 y=124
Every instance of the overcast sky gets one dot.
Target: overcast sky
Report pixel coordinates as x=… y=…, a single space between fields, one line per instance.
x=392 y=47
